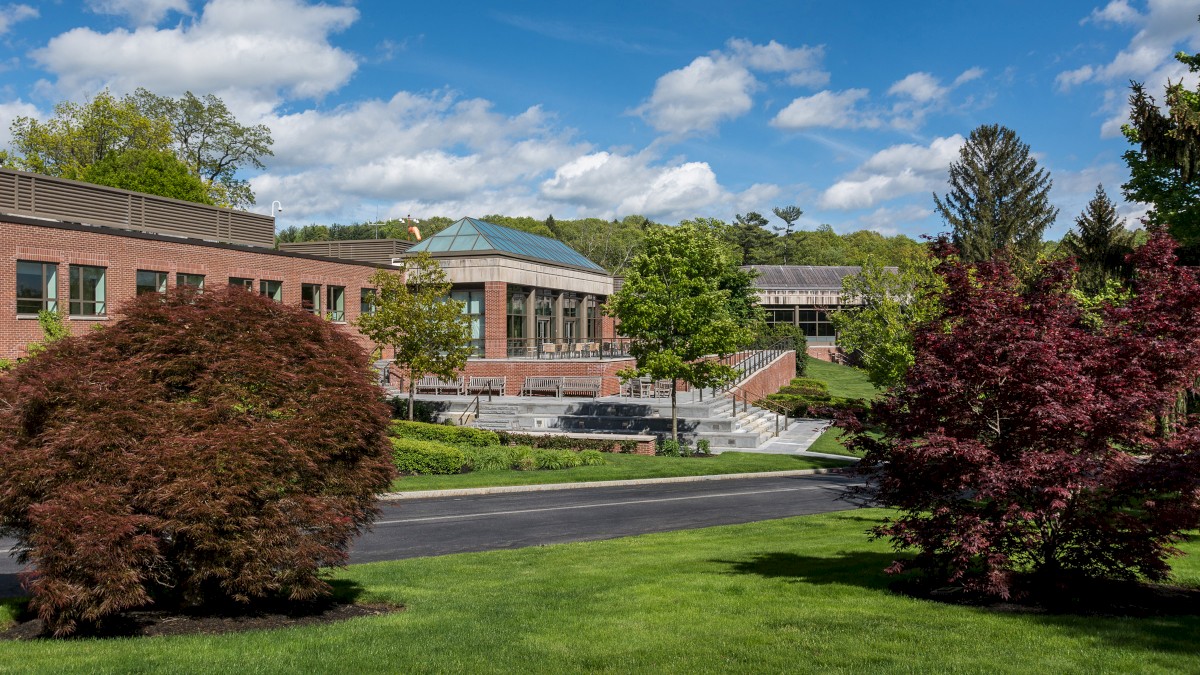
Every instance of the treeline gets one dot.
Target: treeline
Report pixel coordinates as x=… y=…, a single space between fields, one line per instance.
x=613 y=243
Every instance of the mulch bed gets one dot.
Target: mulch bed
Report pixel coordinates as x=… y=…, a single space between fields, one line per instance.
x=1087 y=597
x=149 y=622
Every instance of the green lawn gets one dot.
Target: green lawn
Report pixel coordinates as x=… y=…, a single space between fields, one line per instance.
x=830 y=443
x=621 y=467
x=796 y=595
x=842 y=380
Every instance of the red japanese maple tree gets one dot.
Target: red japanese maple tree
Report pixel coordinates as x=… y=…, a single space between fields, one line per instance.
x=1032 y=436
x=207 y=446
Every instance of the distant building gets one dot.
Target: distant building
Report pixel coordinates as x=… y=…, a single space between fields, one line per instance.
x=804 y=296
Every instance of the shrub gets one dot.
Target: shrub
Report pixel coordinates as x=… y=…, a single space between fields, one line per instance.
x=592 y=458
x=668 y=448
x=221 y=447
x=803 y=406
x=556 y=459
x=560 y=442
x=802 y=386
x=427 y=458
x=423 y=411
x=489 y=459
x=703 y=447
x=629 y=446
x=442 y=433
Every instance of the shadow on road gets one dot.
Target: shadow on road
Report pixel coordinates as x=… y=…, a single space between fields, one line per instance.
x=10 y=586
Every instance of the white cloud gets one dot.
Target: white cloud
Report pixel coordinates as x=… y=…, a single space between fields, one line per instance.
x=718 y=86
x=830 y=109
x=632 y=184
x=699 y=96
x=890 y=221
x=141 y=12
x=11 y=14
x=10 y=111
x=1117 y=11
x=920 y=87
x=968 y=75
x=893 y=172
x=249 y=53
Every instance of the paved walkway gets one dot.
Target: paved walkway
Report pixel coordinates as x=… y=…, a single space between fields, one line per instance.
x=796 y=440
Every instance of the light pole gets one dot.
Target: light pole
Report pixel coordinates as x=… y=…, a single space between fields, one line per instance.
x=273 y=205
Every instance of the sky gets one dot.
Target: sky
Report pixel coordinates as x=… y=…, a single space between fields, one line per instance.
x=852 y=111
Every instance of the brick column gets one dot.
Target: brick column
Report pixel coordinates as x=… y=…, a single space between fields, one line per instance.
x=495 y=319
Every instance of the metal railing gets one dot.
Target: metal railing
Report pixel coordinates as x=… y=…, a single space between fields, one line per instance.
x=474 y=402
x=568 y=348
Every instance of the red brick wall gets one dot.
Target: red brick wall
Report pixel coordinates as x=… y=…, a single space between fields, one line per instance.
x=831 y=354
x=495 y=319
x=768 y=380
x=124 y=255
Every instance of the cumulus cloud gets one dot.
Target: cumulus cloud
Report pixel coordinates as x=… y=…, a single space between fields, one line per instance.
x=1165 y=27
x=11 y=14
x=140 y=12
x=829 y=109
x=250 y=53
x=920 y=87
x=893 y=172
x=718 y=86
x=10 y=111
x=633 y=184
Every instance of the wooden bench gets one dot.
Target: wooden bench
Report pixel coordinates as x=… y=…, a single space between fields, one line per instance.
x=432 y=384
x=581 y=386
x=489 y=385
x=542 y=385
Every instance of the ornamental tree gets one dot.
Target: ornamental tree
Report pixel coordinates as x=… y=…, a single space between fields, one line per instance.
x=205 y=448
x=1030 y=436
x=413 y=313
x=674 y=307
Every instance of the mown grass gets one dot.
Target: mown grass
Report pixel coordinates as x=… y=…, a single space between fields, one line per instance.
x=10 y=609
x=797 y=595
x=830 y=443
x=842 y=380
x=621 y=467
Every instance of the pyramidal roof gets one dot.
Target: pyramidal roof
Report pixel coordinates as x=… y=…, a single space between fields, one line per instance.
x=479 y=236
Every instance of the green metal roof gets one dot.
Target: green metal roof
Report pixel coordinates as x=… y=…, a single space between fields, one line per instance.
x=479 y=236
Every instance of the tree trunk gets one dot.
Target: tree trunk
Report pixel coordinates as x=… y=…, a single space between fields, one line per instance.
x=674 y=418
x=412 y=391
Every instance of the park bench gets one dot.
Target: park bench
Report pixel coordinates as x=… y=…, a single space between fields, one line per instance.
x=581 y=386
x=432 y=384
x=542 y=385
x=489 y=385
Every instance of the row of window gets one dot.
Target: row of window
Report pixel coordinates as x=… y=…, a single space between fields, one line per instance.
x=37 y=290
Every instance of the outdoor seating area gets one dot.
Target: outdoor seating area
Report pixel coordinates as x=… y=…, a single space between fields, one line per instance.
x=645 y=387
x=432 y=384
x=487 y=385
x=557 y=348
x=561 y=386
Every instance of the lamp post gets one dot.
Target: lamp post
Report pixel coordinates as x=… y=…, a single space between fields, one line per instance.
x=275 y=204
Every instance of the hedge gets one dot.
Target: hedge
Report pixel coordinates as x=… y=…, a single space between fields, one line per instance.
x=442 y=433
x=561 y=442
x=805 y=406
x=415 y=457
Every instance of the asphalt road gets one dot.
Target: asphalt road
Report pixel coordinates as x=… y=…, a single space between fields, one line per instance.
x=442 y=525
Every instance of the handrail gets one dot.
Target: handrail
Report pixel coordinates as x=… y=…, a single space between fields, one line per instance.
x=463 y=414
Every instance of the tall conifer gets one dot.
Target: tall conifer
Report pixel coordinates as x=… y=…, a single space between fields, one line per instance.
x=1100 y=244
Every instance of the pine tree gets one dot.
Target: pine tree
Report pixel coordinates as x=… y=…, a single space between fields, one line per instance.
x=750 y=234
x=999 y=198
x=1100 y=245
x=789 y=215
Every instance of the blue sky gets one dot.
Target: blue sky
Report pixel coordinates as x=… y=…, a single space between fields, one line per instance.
x=851 y=111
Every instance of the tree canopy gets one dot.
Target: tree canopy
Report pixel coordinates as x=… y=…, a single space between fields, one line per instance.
x=673 y=308
x=999 y=198
x=1099 y=244
x=125 y=142
x=1164 y=166
x=411 y=311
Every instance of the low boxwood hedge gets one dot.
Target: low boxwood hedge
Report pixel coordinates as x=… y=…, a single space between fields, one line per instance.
x=442 y=433
x=427 y=457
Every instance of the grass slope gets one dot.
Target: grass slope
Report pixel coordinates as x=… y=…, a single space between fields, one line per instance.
x=620 y=467
x=796 y=595
x=842 y=380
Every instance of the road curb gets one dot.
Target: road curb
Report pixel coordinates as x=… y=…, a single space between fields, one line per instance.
x=463 y=492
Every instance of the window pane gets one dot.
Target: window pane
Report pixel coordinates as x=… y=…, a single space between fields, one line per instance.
x=151 y=282
x=87 y=290
x=336 y=302
x=247 y=284
x=37 y=287
x=310 y=298
x=271 y=289
x=193 y=280
x=366 y=297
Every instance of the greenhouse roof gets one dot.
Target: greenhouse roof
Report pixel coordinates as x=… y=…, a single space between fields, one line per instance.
x=478 y=236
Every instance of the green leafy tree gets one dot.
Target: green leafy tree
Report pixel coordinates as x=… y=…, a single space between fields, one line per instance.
x=1164 y=167
x=890 y=305
x=673 y=308
x=211 y=142
x=999 y=198
x=412 y=312
x=1100 y=244
x=123 y=142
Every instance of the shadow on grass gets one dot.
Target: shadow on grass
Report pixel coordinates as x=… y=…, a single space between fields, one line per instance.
x=863 y=569
x=10 y=586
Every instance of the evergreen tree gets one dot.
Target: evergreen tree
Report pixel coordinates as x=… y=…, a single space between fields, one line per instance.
x=1100 y=245
x=750 y=234
x=999 y=198
x=789 y=215
x=1165 y=167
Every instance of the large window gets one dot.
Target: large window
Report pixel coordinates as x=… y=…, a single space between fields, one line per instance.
x=592 y=317
x=310 y=298
x=781 y=315
x=335 y=302
x=271 y=289
x=366 y=301
x=570 y=305
x=815 y=323
x=195 y=281
x=543 y=308
x=517 y=311
x=37 y=287
x=149 y=281
x=473 y=308
x=87 y=291
x=245 y=283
